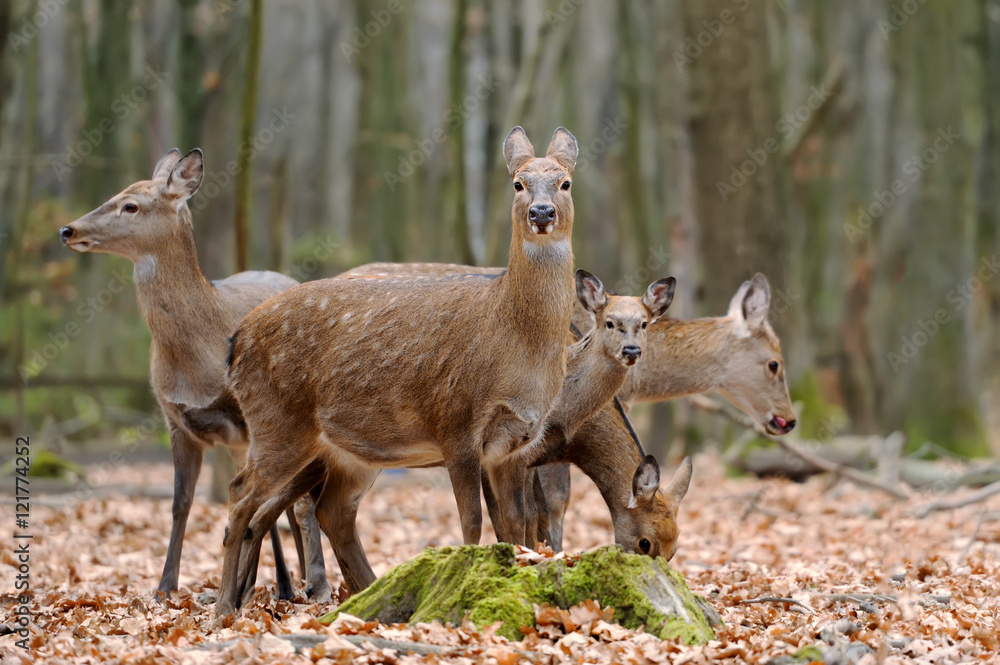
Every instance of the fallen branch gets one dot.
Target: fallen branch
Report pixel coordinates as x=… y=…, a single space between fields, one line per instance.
x=776 y=599
x=853 y=475
x=882 y=598
x=972 y=539
x=981 y=494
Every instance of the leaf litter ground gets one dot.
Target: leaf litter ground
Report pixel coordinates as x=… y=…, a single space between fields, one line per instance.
x=820 y=563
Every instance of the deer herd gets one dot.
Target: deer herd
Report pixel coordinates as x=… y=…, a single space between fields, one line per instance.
x=504 y=376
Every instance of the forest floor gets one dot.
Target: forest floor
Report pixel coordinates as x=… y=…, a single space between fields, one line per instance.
x=825 y=547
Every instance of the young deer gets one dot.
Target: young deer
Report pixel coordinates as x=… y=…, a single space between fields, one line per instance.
x=737 y=355
x=597 y=366
x=190 y=320
x=359 y=375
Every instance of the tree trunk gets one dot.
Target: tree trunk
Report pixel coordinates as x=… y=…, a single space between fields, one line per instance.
x=737 y=199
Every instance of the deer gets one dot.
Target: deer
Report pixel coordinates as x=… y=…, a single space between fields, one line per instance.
x=597 y=365
x=358 y=375
x=190 y=320
x=596 y=370
x=737 y=355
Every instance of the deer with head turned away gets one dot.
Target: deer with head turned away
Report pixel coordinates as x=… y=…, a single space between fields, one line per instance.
x=190 y=320
x=737 y=355
x=358 y=375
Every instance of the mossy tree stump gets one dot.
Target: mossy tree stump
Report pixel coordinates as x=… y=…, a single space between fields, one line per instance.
x=488 y=584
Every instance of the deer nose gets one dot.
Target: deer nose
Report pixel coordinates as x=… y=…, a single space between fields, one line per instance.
x=65 y=233
x=541 y=214
x=782 y=425
x=631 y=353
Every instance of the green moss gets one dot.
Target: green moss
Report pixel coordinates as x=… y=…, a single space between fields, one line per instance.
x=809 y=654
x=486 y=584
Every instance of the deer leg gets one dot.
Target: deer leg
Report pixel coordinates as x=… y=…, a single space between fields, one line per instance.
x=187 y=455
x=265 y=519
x=251 y=488
x=508 y=480
x=492 y=506
x=337 y=511
x=314 y=572
x=555 y=485
x=282 y=577
x=293 y=524
x=532 y=510
x=464 y=471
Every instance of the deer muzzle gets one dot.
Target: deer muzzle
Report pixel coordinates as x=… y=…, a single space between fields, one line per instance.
x=542 y=217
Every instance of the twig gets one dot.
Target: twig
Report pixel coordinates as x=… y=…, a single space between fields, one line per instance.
x=776 y=599
x=820 y=463
x=881 y=598
x=972 y=539
x=981 y=494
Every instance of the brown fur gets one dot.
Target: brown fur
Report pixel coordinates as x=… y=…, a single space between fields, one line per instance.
x=367 y=374
x=729 y=354
x=189 y=318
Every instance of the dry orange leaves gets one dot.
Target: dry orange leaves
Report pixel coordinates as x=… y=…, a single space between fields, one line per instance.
x=807 y=564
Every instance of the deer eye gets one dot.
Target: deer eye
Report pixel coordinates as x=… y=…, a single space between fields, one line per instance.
x=130 y=207
x=643 y=325
x=773 y=366
x=565 y=186
x=644 y=545
x=610 y=325
x=518 y=187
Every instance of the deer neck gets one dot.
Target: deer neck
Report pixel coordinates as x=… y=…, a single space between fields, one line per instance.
x=682 y=358
x=174 y=296
x=592 y=379
x=604 y=450
x=537 y=290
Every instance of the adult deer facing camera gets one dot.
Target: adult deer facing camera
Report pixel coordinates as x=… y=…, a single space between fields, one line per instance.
x=190 y=320
x=360 y=375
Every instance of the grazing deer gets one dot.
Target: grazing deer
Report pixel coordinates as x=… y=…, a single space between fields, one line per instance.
x=190 y=320
x=737 y=355
x=359 y=375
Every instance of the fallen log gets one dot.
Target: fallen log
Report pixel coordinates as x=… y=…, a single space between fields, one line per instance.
x=489 y=584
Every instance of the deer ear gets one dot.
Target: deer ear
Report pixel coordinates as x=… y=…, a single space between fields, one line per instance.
x=680 y=483
x=517 y=150
x=756 y=302
x=185 y=177
x=166 y=164
x=590 y=291
x=645 y=482
x=563 y=148
x=658 y=296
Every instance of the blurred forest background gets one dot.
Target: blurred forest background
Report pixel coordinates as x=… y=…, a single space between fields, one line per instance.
x=848 y=150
